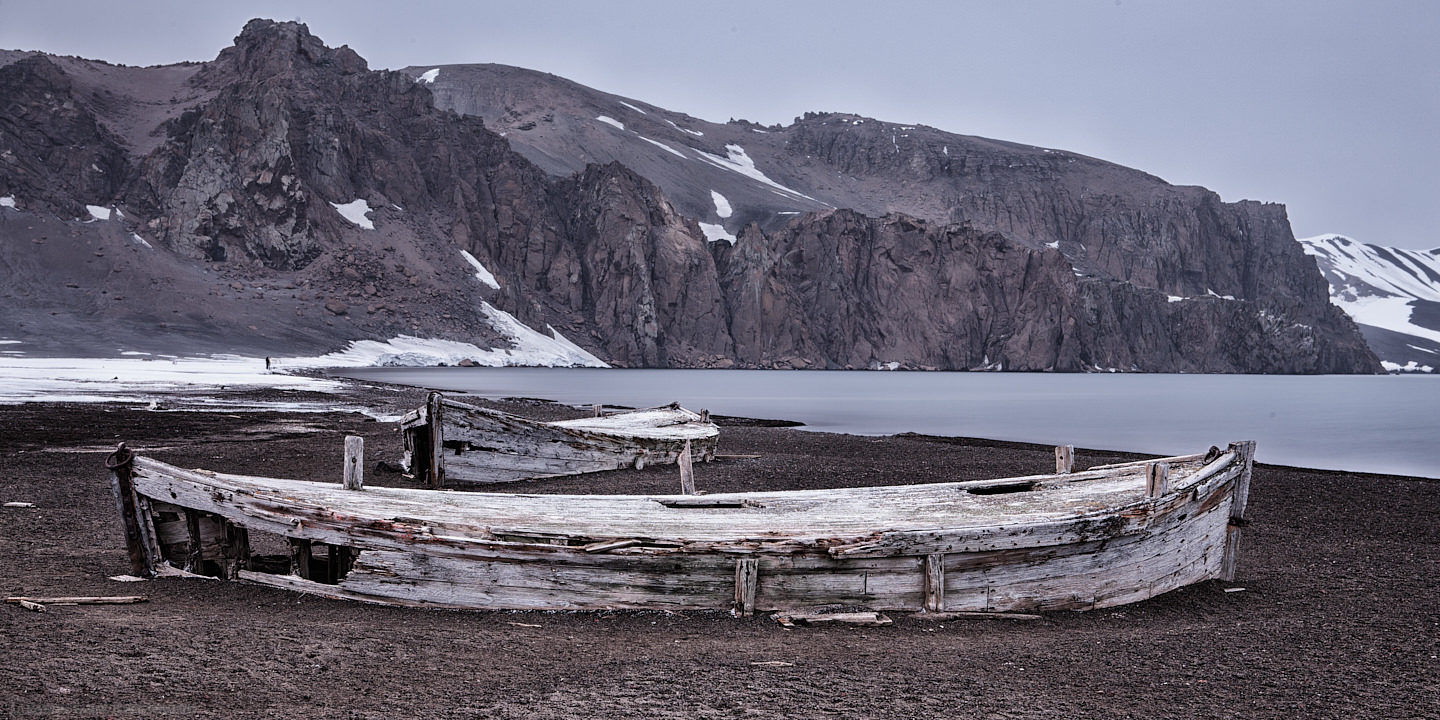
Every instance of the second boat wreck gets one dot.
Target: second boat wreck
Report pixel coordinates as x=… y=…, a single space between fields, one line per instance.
x=453 y=442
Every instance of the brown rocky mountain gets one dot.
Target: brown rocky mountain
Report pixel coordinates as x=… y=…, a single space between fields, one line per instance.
x=284 y=198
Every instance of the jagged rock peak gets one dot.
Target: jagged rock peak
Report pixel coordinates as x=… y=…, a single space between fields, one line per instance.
x=267 y=48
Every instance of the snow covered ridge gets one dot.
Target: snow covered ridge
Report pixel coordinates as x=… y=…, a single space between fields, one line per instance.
x=1374 y=270
x=1381 y=287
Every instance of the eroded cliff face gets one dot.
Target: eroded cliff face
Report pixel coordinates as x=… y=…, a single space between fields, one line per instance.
x=841 y=290
x=984 y=255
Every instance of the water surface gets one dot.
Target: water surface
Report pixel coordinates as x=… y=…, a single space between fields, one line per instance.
x=1383 y=424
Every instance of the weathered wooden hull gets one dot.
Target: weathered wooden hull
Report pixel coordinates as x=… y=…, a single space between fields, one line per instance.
x=1078 y=541
x=449 y=442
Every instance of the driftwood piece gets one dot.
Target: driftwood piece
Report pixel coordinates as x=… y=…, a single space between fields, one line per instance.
x=19 y=505
x=868 y=618
x=354 y=477
x=80 y=600
x=966 y=615
x=31 y=606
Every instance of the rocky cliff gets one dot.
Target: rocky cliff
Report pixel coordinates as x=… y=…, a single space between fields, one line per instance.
x=285 y=198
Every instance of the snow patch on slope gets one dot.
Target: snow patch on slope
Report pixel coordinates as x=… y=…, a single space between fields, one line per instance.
x=140 y=240
x=481 y=273
x=737 y=161
x=356 y=211
x=722 y=205
x=663 y=146
x=696 y=133
x=714 y=233
x=429 y=75
x=98 y=212
x=632 y=107
x=610 y=121
x=8 y=201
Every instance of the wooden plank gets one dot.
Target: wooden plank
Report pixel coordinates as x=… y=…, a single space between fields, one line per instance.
x=121 y=466
x=354 y=476
x=1245 y=452
x=1157 y=479
x=436 y=468
x=866 y=618
x=935 y=582
x=687 y=472
x=1064 y=459
x=747 y=577
x=80 y=600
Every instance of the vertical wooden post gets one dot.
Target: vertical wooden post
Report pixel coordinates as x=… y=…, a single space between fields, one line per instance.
x=1157 y=479
x=234 y=550
x=437 y=442
x=935 y=582
x=121 y=464
x=598 y=410
x=747 y=576
x=354 y=463
x=1064 y=459
x=1239 y=500
x=687 y=471
x=300 y=557
x=195 y=555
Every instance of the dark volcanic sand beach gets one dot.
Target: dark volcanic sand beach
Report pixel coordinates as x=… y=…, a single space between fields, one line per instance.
x=1339 y=616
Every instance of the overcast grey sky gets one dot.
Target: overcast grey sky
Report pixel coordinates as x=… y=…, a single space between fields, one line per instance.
x=1332 y=108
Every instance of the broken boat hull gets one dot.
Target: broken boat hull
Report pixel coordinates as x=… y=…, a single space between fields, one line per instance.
x=1077 y=541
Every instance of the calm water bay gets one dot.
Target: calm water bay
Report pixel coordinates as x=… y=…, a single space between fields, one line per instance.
x=1385 y=424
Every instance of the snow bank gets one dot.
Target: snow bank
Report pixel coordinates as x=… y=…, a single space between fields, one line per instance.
x=481 y=273
x=1411 y=366
x=1389 y=313
x=610 y=121
x=531 y=348
x=429 y=75
x=356 y=212
x=715 y=232
x=133 y=379
x=722 y=205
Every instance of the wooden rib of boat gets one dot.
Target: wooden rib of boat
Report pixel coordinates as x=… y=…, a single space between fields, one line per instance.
x=451 y=442
x=1097 y=538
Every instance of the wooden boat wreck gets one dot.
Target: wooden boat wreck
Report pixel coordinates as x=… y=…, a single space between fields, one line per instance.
x=451 y=442
x=1070 y=540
